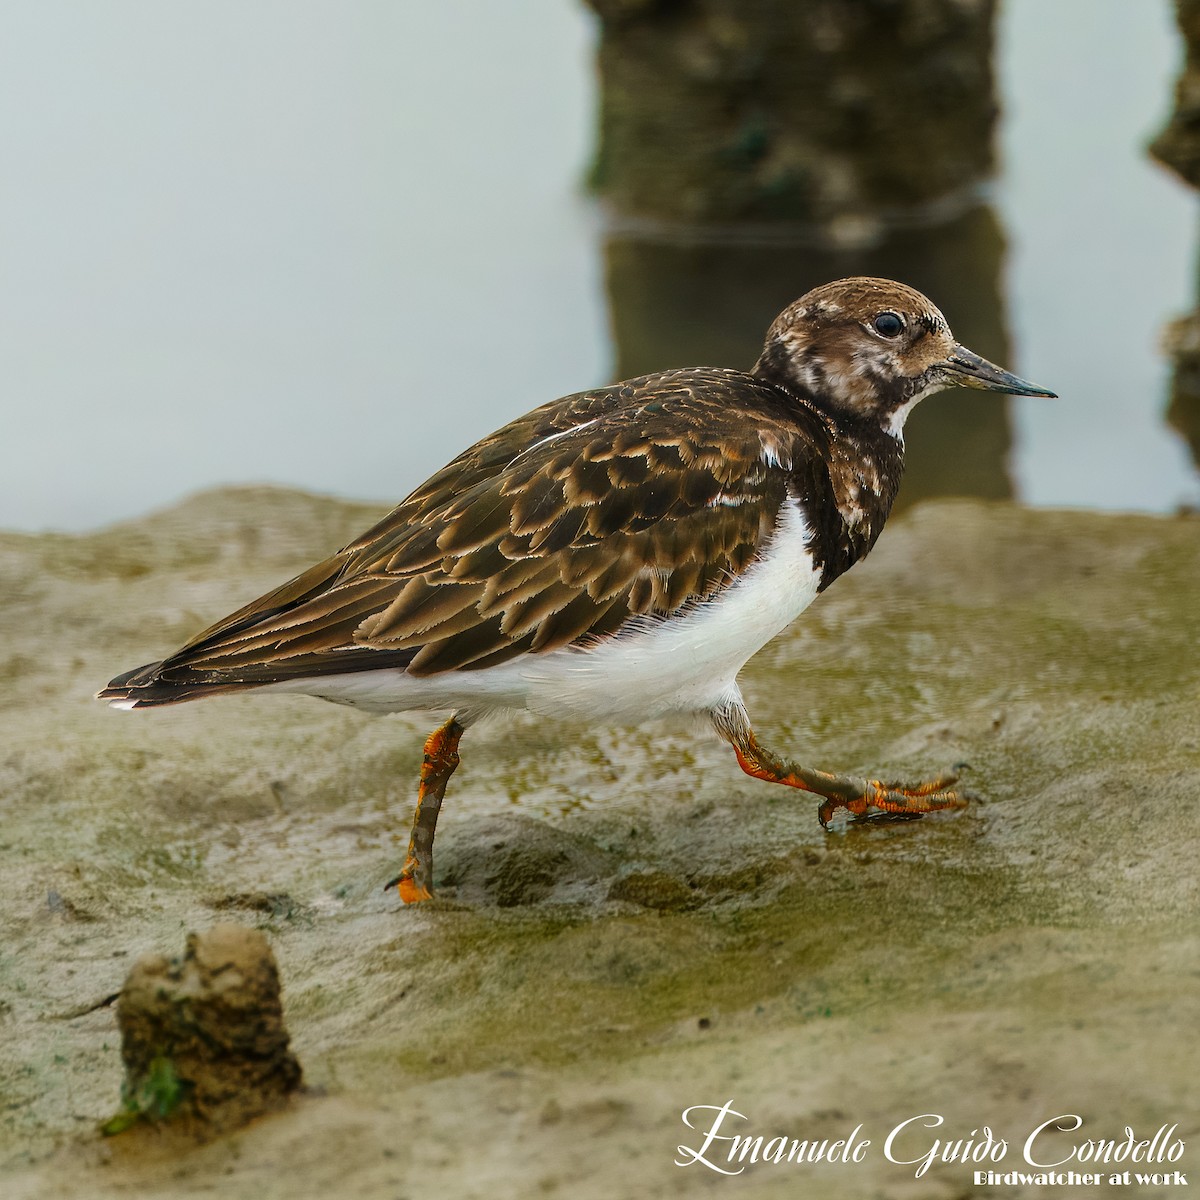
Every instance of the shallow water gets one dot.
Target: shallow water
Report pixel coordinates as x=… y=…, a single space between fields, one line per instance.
x=283 y=244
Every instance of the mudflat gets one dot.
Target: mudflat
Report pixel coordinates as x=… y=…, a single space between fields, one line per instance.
x=627 y=926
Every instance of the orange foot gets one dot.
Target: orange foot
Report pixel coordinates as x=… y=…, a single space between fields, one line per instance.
x=411 y=892
x=897 y=801
x=865 y=799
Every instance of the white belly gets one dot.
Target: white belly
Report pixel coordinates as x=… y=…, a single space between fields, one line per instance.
x=687 y=664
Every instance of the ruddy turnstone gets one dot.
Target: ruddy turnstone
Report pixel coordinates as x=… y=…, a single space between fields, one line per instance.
x=618 y=554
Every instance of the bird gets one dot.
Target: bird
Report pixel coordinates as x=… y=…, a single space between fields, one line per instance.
x=617 y=555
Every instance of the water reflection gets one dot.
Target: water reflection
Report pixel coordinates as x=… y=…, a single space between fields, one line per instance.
x=678 y=303
x=1182 y=343
x=749 y=154
x=1177 y=146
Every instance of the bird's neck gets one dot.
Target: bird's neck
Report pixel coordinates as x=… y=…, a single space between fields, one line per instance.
x=844 y=385
x=845 y=478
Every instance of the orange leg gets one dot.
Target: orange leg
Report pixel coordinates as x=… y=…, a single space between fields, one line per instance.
x=415 y=881
x=857 y=795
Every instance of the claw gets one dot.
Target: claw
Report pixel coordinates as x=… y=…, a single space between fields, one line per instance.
x=412 y=892
x=883 y=803
x=940 y=784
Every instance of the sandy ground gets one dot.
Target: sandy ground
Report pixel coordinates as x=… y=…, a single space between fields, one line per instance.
x=627 y=925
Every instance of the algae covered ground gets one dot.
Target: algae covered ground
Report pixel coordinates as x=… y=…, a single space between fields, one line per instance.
x=628 y=926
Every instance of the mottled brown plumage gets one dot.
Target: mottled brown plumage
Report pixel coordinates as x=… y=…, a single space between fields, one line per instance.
x=635 y=499
x=592 y=530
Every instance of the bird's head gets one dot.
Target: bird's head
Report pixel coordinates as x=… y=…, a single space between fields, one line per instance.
x=871 y=349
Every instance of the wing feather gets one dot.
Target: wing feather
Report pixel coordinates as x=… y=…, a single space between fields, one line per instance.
x=635 y=500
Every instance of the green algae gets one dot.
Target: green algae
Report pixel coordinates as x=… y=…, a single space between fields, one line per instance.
x=155 y=1098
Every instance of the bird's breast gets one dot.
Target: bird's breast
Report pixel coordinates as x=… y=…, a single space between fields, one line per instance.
x=845 y=497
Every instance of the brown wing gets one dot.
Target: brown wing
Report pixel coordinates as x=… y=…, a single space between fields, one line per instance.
x=632 y=500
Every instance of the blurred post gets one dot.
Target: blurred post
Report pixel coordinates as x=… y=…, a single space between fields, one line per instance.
x=1181 y=341
x=836 y=113
x=751 y=149
x=1178 y=147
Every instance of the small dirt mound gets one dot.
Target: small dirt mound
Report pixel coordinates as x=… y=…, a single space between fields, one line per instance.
x=202 y=1036
x=513 y=860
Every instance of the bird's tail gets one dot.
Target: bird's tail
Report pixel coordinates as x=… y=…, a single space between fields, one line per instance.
x=150 y=686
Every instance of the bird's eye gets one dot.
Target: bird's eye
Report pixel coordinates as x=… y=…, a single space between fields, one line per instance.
x=889 y=324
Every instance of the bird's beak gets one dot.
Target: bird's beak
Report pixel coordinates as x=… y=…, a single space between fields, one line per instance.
x=966 y=368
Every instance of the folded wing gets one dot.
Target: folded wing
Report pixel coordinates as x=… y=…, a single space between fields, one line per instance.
x=627 y=503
